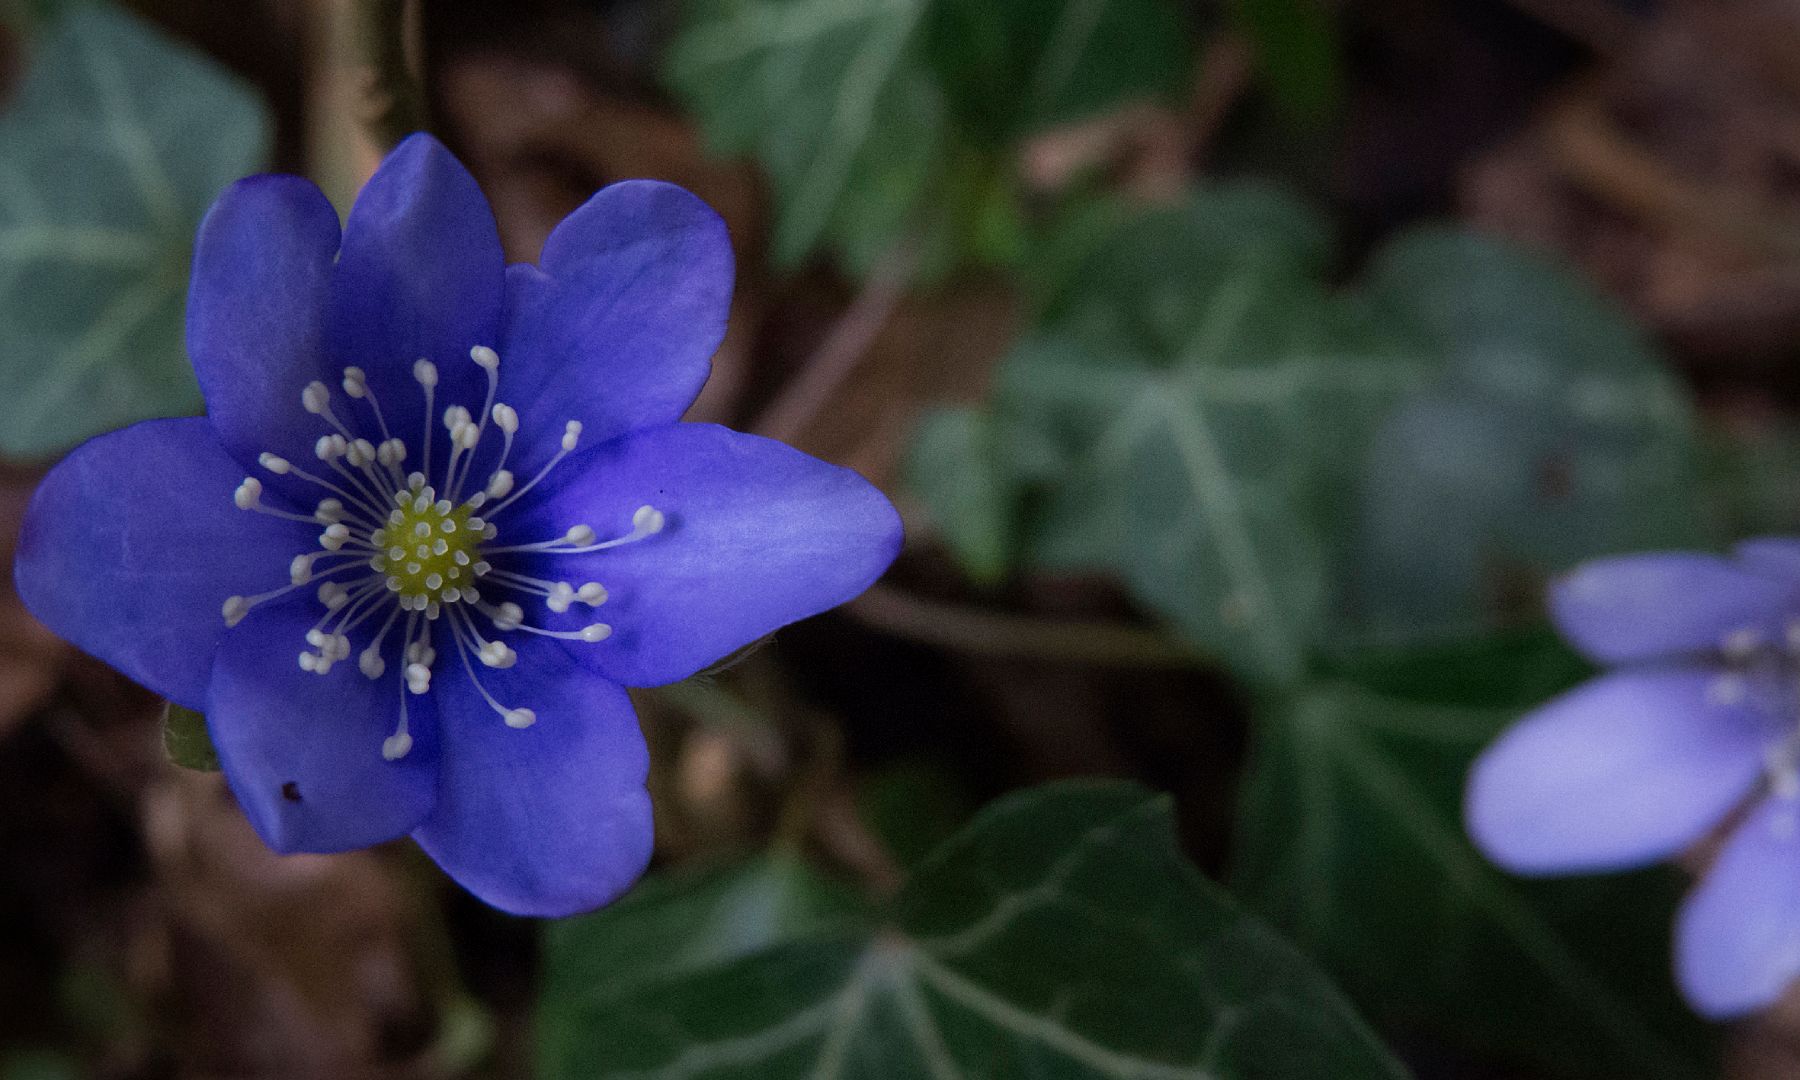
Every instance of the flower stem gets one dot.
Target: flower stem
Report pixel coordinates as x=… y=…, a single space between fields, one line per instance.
x=388 y=32
x=843 y=348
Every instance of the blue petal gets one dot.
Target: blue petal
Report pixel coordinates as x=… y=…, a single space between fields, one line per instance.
x=132 y=543
x=1737 y=942
x=619 y=327
x=256 y=312
x=1642 y=607
x=421 y=276
x=1771 y=556
x=303 y=751
x=1624 y=770
x=549 y=820
x=758 y=535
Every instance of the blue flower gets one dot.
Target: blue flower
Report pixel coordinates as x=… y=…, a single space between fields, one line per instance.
x=458 y=493
x=1700 y=720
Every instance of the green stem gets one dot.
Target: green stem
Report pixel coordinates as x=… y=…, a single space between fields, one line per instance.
x=388 y=32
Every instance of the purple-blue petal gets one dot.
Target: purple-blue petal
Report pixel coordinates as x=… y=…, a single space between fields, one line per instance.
x=1737 y=942
x=617 y=325
x=1776 y=557
x=302 y=751
x=421 y=276
x=548 y=820
x=132 y=543
x=256 y=312
x=1622 y=771
x=1655 y=605
x=758 y=535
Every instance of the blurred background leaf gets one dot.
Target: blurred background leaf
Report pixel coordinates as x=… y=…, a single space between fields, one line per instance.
x=111 y=149
x=1061 y=934
x=882 y=122
x=1351 y=841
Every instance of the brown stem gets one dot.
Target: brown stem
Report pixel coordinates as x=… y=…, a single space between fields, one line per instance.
x=843 y=348
x=998 y=634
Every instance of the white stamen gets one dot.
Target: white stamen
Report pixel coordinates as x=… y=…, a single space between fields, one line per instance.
x=316 y=398
x=277 y=465
x=248 y=494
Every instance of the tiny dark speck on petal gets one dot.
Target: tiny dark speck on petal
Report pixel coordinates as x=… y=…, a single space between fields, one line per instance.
x=290 y=791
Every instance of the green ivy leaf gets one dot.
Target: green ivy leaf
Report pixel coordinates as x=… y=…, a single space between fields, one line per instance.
x=1351 y=842
x=186 y=740
x=1556 y=435
x=1285 y=472
x=1193 y=397
x=878 y=120
x=1061 y=934
x=953 y=465
x=115 y=143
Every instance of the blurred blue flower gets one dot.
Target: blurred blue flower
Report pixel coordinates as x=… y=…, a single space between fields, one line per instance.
x=471 y=514
x=1699 y=719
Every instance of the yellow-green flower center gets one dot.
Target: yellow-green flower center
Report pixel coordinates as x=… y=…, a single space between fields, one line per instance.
x=430 y=548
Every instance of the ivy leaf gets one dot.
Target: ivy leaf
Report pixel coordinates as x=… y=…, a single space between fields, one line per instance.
x=186 y=740
x=1011 y=67
x=835 y=101
x=1060 y=934
x=1557 y=434
x=1194 y=407
x=1351 y=842
x=953 y=464
x=878 y=121
x=115 y=143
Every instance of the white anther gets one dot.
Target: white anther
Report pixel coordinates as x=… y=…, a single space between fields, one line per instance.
x=466 y=435
x=506 y=418
x=508 y=616
x=579 y=535
x=333 y=595
x=497 y=654
x=571 y=434
x=425 y=372
x=442 y=507
x=316 y=398
x=476 y=524
x=1727 y=690
x=390 y=453
x=330 y=447
x=328 y=511
x=461 y=558
x=500 y=483
x=414 y=481
x=593 y=594
x=370 y=663
x=310 y=662
x=300 y=569
x=440 y=546
x=596 y=632
x=356 y=384
x=422 y=501
x=455 y=416
x=648 y=521
x=562 y=594
x=485 y=356
x=234 y=609
x=418 y=678
x=248 y=494
x=277 y=465
x=434 y=582
x=396 y=746
x=452 y=594
x=362 y=452
x=1740 y=644
x=335 y=536
x=519 y=718
x=482 y=567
